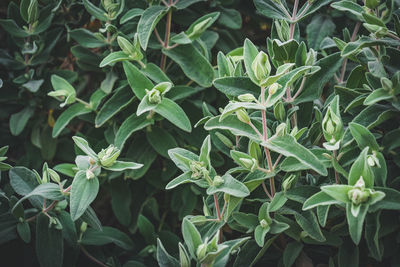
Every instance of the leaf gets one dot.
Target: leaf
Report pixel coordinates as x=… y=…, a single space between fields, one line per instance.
x=250 y=52
x=137 y=80
x=19 y=120
x=277 y=202
x=48 y=191
x=291 y=252
x=186 y=3
x=181 y=179
x=161 y=141
x=95 y=11
x=155 y=73
x=24 y=231
x=182 y=158
x=288 y=146
x=123 y=165
x=115 y=104
x=121 y=200
x=131 y=14
x=320 y=198
x=114 y=57
x=163 y=257
x=309 y=223
x=372 y=230
x=148 y=21
x=191 y=236
x=86 y=38
x=84 y=146
x=89 y=216
x=356 y=223
x=22 y=180
x=146 y=229
x=83 y=192
x=232 y=124
x=193 y=64
x=65 y=118
x=319 y=28
x=68 y=228
x=349 y=6
x=49 y=243
x=391 y=201
x=363 y=136
x=270 y=9
x=338 y=191
x=230 y=18
x=12 y=28
x=348 y=254
x=174 y=113
x=106 y=236
x=248 y=220
x=235 y=86
x=377 y=96
x=132 y=124
x=231 y=186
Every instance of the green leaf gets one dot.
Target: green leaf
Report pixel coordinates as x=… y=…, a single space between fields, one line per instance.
x=84 y=146
x=259 y=234
x=121 y=200
x=372 y=230
x=377 y=96
x=391 y=201
x=24 y=231
x=123 y=165
x=114 y=57
x=105 y=236
x=349 y=6
x=363 y=136
x=308 y=221
x=161 y=140
x=174 y=113
x=271 y=9
x=146 y=229
x=12 y=28
x=185 y=4
x=205 y=152
x=191 y=236
x=234 y=106
x=65 y=118
x=163 y=257
x=230 y=18
x=181 y=179
x=155 y=73
x=288 y=146
x=22 y=180
x=48 y=191
x=89 y=216
x=250 y=221
x=19 y=120
x=68 y=228
x=291 y=252
x=356 y=223
x=318 y=199
x=148 y=21
x=182 y=158
x=115 y=104
x=137 y=80
x=132 y=124
x=230 y=186
x=131 y=14
x=250 y=52
x=95 y=11
x=277 y=202
x=338 y=191
x=319 y=28
x=49 y=243
x=86 y=38
x=348 y=254
x=361 y=168
x=235 y=86
x=193 y=64
x=83 y=192
x=232 y=124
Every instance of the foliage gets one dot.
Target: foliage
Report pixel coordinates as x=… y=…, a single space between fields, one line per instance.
x=164 y=135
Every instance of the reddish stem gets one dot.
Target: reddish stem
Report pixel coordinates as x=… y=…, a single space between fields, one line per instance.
x=217 y=206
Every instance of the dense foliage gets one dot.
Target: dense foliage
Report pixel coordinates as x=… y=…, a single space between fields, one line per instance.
x=200 y=133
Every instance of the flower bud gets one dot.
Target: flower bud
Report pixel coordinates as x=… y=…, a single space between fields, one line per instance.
x=289 y=182
x=358 y=196
x=126 y=46
x=263 y=223
x=225 y=140
x=154 y=96
x=108 y=156
x=83 y=227
x=254 y=150
x=201 y=251
x=218 y=180
x=163 y=87
x=371 y=161
x=247 y=98
x=360 y=183
x=54 y=176
x=261 y=66
x=89 y=174
x=281 y=129
x=332 y=125
x=273 y=88
x=243 y=116
x=279 y=111
x=250 y=164
x=198 y=169
x=311 y=58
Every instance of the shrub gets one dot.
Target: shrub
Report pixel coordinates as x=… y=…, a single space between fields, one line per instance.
x=164 y=135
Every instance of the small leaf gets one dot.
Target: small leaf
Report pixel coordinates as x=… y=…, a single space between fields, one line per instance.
x=83 y=192
x=174 y=113
x=231 y=186
x=132 y=124
x=84 y=146
x=113 y=58
x=123 y=165
x=148 y=21
x=191 y=236
x=356 y=223
x=65 y=118
x=137 y=80
x=49 y=243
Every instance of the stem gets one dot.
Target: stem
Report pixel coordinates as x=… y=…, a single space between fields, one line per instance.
x=305 y=10
x=83 y=102
x=336 y=174
x=217 y=206
x=292 y=25
x=166 y=40
x=266 y=190
x=158 y=37
x=223 y=209
x=92 y=258
x=393 y=36
x=344 y=64
x=256 y=130
x=300 y=89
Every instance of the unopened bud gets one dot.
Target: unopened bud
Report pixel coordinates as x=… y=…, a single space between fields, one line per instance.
x=263 y=223
x=108 y=156
x=273 y=88
x=89 y=174
x=281 y=129
x=247 y=98
x=225 y=140
x=154 y=96
x=201 y=251
x=83 y=227
x=250 y=164
x=218 y=180
x=279 y=111
x=261 y=66
x=243 y=116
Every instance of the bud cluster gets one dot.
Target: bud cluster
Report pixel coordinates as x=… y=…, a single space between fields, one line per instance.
x=108 y=156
